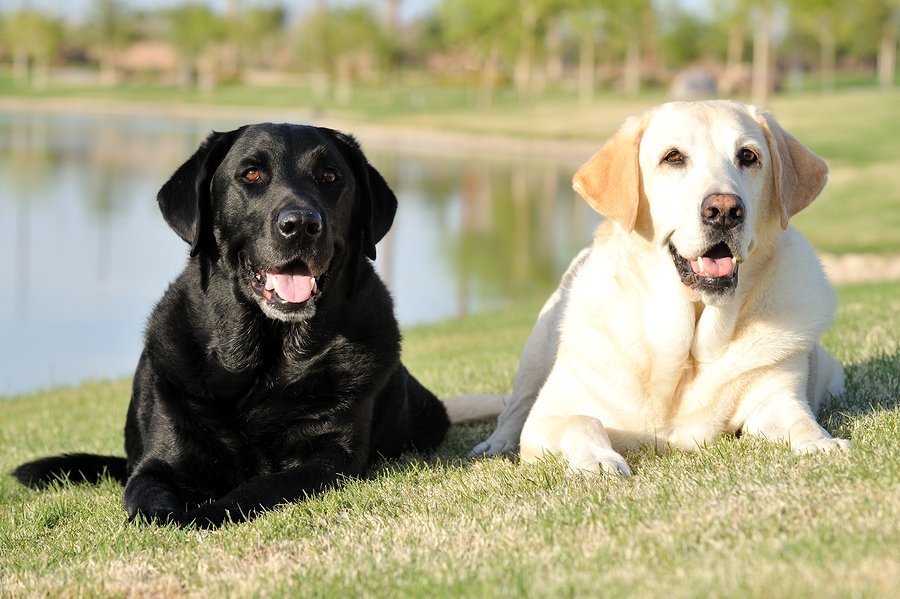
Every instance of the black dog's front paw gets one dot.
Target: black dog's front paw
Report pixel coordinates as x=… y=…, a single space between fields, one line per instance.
x=150 y=501
x=160 y=517
x=212 y=515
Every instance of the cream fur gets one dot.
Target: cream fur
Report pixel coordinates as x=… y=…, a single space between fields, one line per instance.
x=625 y=354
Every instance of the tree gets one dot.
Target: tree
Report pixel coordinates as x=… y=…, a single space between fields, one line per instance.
x=635 y=19
x=588 y=22
x=112 y=30
x=821 y=18
x=759 y=14
x=195 y=31
x=685 y=38
x=34 y=37
x=487 y=30
x=537 y=19
x=340 y=52
x=255 y=28
x=881 y=17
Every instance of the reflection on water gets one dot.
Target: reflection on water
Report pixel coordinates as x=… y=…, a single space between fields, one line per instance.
x=87 y=254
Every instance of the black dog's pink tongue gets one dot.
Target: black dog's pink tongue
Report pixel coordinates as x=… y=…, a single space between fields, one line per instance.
x=294 y=284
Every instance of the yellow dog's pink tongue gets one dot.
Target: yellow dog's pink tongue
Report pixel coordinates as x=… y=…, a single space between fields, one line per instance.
x=713 y=267
x=294 y=284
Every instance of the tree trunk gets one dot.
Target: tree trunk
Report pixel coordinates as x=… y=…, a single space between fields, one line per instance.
x=41 y=79
x=206 y=72
x=759 y=87
x=319 y=81
x=488 y=79
x=633 y=66
x=828 y=53
x=108 y=75
x=522 y=69
x=735 y=47
x=734 y=59
x=392 y=15
x=887 y=56
x=554 y=67
x=586 y=71
x=20 y=66
x=344 y=88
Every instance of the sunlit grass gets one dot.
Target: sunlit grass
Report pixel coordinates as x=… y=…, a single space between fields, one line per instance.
x=742 y=518
x=859 y=136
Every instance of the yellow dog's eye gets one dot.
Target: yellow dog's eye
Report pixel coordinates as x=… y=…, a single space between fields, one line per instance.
x=748 y=157
x=674 y=157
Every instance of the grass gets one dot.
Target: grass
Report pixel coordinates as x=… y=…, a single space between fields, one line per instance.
x=741 y=518
x=858 y=134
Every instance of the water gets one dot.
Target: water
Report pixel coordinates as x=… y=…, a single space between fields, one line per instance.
x=87 y=254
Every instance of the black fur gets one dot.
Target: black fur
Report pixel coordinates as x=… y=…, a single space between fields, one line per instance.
x=241 y=401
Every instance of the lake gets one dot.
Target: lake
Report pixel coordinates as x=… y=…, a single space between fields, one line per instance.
x=87 y=254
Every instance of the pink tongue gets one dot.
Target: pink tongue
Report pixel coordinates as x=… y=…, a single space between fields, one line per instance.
x=294 y=284
x=714 y=267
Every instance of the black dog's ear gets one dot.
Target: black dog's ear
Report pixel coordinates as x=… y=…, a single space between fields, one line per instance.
x=185 y=198
x=377 y=202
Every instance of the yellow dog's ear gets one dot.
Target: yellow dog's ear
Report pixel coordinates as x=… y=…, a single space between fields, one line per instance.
x=609 y=180
x=799 y=174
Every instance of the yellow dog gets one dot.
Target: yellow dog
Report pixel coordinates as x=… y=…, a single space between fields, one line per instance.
x=696 y=311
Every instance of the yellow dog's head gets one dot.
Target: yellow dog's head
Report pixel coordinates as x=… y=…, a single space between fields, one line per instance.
x=707 y=183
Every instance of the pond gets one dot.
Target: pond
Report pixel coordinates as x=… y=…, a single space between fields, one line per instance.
x=87 y=254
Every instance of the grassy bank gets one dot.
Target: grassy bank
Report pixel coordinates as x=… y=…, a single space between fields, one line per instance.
x=742 y=518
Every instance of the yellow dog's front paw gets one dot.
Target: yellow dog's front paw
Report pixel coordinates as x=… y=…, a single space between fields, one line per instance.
x=600 y=460
x=822 y=444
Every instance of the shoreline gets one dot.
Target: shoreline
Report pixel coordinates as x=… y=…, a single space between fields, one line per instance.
x=419 y=141
x=403 y=139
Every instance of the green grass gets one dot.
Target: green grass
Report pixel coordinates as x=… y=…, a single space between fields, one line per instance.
x=858 y=134
x=742 y=518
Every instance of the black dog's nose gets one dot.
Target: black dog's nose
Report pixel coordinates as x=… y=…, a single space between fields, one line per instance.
x=294 y=222
x=723 y=210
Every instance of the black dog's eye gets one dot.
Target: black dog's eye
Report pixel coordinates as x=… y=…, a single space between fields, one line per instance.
x=329 y=176
x=251 y=174
x=674 y=157
x=748 y=157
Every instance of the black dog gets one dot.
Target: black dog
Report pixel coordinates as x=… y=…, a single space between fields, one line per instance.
x=271 y=366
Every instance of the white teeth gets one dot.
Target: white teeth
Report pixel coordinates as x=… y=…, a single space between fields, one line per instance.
x=314 y=288
x=700 y=263
x=733 y=263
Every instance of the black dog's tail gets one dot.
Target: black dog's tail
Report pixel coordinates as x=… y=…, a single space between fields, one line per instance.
x=75 y=467
x=429 y=417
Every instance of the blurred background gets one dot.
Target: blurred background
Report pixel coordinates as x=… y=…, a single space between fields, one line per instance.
x=477 y=112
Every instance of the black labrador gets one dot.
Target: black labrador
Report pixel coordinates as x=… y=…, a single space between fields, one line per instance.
x=271 y=366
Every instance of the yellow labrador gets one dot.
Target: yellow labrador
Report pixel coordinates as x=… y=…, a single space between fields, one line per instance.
x=697 y=310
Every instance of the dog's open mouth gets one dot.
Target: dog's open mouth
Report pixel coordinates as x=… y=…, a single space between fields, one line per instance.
x=293 y=284
x=717 y=268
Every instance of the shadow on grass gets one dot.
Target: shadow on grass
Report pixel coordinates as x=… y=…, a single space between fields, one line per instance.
x=872 y=388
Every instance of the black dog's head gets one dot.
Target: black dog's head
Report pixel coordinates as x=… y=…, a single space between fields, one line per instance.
x=280 y=205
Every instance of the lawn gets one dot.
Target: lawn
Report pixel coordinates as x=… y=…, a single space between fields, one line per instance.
x=742 y=518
